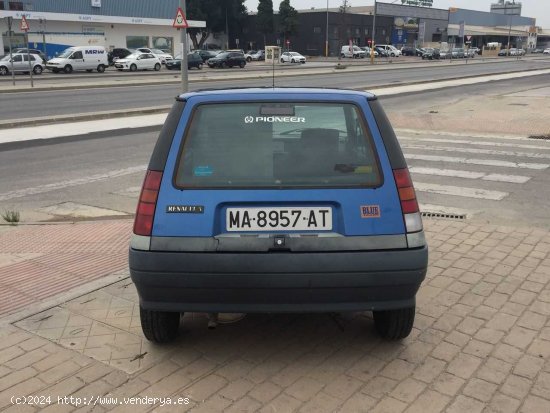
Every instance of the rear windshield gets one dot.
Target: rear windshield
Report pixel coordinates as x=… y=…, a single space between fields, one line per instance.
x=277 y=145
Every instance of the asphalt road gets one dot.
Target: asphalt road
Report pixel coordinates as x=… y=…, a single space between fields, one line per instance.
x=50 y=103
x=106 y=170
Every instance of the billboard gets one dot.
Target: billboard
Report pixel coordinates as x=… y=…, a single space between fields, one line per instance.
x=421 y=3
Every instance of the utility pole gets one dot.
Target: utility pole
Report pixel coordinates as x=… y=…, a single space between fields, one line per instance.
x=326 y=40
x=372 y=43
x=184 y=74
x=510 y=27
x=10 y=21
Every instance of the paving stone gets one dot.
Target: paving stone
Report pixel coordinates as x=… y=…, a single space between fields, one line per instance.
x=494 y=370
x=528 y=366
x=281 y=403
x=59 y=372
x=264 y=392
x=507 y=353
x=24 y=388
x=532 y=321
x=445 y=351
x=16 y=377
x=480 y=389
x=237 y=389
x=246 y=404
x=478 y=349
x=408 y=390
x=516 y=387
x=429 y=370
x=359 y=402
x=205 y=387
x=504 y=404
x=535 y=404
x=429 y=402
x=463 y=365
x=322 y=403
x=343 y=387
x=448 y=384
x=465 y=404
x=304 y=388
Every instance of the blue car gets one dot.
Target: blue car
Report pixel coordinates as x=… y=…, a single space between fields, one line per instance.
x=277 y=200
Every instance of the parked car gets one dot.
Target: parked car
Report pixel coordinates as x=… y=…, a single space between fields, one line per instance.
x=368 y=50
x=256 y=56
x=408 y=51
x=391 y=51
x=476 y=50
x=444 y=54
x=160 y=54
x=419 y=51
x=546 y=51
x=207 y=54
x=31 y=51
x=503 y=52
x=293 y=57
x=277 y=200
x=537 y=51
x=381 y=51
x=469 y=54
x=430 y=54
x=457 y=53
x=352 y=52
x=139 y=61
x=76 y=58
x=517 y=52
x=248 y=54
x=19 y=63
x=193 y=60
x=118 y=53
x=227 y=59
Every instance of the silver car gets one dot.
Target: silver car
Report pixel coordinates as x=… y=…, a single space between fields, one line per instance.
x=19 y=62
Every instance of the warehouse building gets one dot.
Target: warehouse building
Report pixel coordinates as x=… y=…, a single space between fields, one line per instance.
x=58 y=24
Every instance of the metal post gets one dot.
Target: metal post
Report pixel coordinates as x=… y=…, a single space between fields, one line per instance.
x=226 y=27
x=373 y=42
x=184 y=74
x=29 y=57
x=10 y=21
x=326 y=40
x=509 y=29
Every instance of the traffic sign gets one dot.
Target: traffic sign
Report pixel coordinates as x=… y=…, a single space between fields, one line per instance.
x=179 y=21
x=24 y=26
x=468 y=38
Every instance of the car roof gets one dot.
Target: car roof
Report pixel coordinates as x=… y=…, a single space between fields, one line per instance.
x=279 y=93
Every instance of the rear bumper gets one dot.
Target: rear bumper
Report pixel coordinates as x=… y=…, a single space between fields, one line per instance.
x=278 y=282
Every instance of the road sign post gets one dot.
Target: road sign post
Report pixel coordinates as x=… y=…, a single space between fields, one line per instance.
x=181 y=23
x=10 y=21
x=24 y=26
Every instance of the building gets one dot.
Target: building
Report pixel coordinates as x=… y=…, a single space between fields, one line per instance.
x=506 y=7
x=58 y=24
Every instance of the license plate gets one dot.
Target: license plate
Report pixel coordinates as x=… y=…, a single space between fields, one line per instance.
x=279 y=219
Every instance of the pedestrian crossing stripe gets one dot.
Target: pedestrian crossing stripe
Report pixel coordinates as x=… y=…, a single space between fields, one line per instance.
x=478 y=143
x=460 y=191
x=473 y=161
x=453 y=173
x=476 y=150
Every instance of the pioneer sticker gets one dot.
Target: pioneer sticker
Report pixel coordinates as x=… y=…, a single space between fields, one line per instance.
x=274 y=119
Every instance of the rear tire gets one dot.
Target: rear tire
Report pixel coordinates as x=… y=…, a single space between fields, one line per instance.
x=68 y=69
x=37 y=70
x=394 y=324
x=282 y=61
x=100 y=69
x=159 y=326
x=3 y=70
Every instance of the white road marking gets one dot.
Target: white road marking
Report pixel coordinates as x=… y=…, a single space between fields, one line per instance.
x=20 y=193
x=486 y=162
x=461 y=135
x=479 y=143
x=514 y=179
x=460 y=191
x=454 y=149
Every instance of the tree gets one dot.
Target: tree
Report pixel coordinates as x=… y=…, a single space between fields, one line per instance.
x=215 y=17
x=264 y=19
x=288 y=18
x=344 y=6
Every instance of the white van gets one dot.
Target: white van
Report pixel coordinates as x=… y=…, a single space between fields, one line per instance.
x=80 y=58
x=354 y=51
x=390 y=50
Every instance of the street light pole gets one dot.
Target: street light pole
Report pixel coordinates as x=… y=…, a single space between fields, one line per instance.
x=326 y=37
x=184 y=74
x=373 y=34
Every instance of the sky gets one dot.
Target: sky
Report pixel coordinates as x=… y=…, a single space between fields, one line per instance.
x=531 y=8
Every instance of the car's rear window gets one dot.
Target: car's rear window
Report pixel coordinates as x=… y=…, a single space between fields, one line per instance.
x=277 y=145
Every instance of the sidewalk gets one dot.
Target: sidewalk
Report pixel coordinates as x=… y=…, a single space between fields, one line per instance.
x=481 y=341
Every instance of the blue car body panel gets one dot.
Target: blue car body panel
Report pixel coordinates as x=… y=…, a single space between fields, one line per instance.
x=346 y=203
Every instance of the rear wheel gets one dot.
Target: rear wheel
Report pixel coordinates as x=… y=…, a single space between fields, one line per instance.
x=37 y=70
x=224 y=65
x=282 y=60
x=241 y=65
x=249 y=59
x=199 y=66
x=157 y=67
x=3 y=70
x=394 y=324
x=68 y=69
x=133 y=67
x=100 y=68
x=159 y=326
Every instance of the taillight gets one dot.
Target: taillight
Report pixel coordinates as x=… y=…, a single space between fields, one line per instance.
x=143 y=224
x=407 y=197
